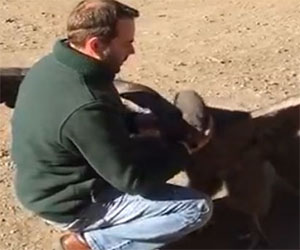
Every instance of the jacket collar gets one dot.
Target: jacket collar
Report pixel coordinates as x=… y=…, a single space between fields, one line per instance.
x=79 y=62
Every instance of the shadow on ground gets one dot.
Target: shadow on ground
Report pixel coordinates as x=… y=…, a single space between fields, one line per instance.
x=281 y=227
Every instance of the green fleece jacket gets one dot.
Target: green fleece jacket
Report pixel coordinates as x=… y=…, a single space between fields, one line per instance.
x=70 y=137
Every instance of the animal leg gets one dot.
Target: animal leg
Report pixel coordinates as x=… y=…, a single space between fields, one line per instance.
x=258 y=236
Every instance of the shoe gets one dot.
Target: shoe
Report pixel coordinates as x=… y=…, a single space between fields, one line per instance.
x=72 y=242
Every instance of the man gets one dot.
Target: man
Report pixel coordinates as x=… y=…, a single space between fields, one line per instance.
x=77 y=167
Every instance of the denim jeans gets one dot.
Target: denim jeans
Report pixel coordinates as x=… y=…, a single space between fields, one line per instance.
x=116 y=220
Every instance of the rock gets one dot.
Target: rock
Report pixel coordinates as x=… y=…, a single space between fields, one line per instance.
x=257 y=106
x=10 y=20
x=4 y=153
x=24 y=245
x=182 y=64
x=173 y=35
x=248 y=79
x=242 y=85
x=217 y=60
x=274 y=84
x=13 y=231
x=293 y=74
x=11 y=165
x=282 y=50
x=193 y=79
x=208 y=19
x=2 y=235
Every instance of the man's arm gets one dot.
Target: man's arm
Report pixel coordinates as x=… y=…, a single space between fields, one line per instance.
x=100 y=134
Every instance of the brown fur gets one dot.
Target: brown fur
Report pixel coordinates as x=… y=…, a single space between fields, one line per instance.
x=242 y=158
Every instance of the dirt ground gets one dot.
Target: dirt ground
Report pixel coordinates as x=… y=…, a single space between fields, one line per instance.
x=239 y=54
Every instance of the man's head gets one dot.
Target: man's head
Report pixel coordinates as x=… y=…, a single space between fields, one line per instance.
x=104 y=30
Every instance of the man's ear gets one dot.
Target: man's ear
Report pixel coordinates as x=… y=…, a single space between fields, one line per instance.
x=95 y=47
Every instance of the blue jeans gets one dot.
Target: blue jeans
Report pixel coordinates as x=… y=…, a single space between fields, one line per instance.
x=121 y=221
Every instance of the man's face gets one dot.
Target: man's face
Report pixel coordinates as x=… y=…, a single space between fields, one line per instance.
x=121 y=47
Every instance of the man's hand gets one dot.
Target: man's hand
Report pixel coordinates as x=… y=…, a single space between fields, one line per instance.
x=194 y=143
x=145 y=121
x=147 y=124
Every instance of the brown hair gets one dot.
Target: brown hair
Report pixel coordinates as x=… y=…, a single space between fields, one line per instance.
x=96 y=18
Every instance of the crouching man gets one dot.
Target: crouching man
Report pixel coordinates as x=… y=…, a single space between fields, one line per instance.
x=77 y=167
